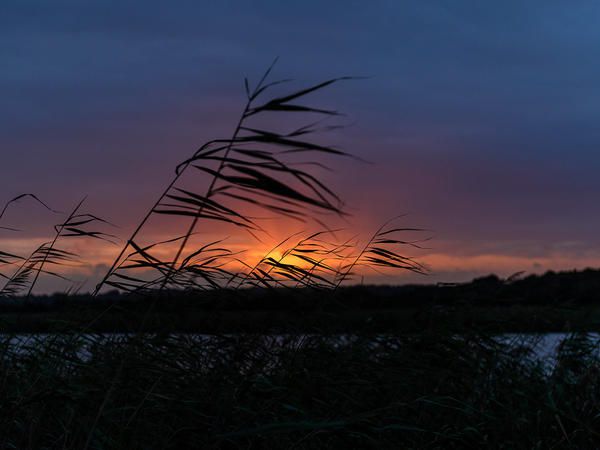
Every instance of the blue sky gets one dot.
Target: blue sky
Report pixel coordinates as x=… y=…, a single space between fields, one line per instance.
x=481 y=117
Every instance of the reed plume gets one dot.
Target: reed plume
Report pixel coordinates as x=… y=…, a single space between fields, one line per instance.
x=48 y=254
x=250 y=168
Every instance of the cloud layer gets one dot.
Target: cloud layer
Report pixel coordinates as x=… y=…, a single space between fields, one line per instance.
x=481 y=118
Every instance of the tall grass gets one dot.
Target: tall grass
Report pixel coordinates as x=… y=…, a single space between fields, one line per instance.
x=229 y=392
x=258 y=166
x=28 y=269
x=9 y=260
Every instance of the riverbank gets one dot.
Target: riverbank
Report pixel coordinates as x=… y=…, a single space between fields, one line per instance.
x=492 y=319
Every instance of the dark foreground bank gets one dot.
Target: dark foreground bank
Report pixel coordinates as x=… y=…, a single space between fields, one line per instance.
x=428 y=391
x=419 y=369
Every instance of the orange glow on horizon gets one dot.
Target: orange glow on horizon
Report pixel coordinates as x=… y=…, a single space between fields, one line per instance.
x=445 y=264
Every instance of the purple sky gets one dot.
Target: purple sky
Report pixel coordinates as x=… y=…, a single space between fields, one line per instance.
x=481 y=117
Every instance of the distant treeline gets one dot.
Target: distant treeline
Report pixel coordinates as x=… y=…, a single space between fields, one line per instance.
x=551 y=288
x=565 y=301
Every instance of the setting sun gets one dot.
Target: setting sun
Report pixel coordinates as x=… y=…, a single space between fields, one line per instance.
x=315 y=224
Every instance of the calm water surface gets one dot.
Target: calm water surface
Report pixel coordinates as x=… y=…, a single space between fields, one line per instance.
x=544 y=346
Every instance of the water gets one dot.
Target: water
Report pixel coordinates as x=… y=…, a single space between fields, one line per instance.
x=543 y=346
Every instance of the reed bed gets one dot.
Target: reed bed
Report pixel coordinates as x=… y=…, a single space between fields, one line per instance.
x=303 y=392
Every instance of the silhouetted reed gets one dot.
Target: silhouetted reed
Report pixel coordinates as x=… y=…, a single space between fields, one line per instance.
x=10 y=259
x=303 y=392
x=258 y=167
x=28 y=271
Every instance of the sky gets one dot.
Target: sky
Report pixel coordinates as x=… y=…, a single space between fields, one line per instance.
x=479 y=118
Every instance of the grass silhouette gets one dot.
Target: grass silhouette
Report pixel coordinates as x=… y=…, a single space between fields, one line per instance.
x=307 y=392
x=75 y=388
x=26 y=276
x=260 y=167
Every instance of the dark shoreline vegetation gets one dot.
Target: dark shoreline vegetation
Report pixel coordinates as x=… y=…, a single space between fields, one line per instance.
x=553 y=302
x=241 y=391
x=198 y=348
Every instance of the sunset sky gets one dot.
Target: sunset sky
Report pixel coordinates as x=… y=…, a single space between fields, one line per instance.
x=480 y=118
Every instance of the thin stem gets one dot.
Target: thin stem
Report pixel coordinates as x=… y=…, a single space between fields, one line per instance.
x=117 y=261
x=51 y=246
x=178 y=173
x=362 y=252
x=219 y=170
x=247 y=275
x=136 y=232
x=209 y=193
x=18 y=271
